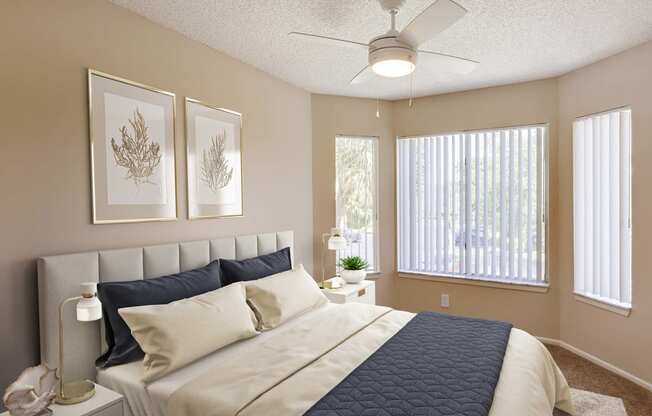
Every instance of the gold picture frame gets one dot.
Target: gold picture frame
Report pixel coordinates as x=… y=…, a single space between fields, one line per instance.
x=132 y=150
x=214 y=141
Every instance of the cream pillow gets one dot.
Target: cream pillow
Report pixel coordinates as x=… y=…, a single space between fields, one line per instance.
x=282 y=296
x=183 y=331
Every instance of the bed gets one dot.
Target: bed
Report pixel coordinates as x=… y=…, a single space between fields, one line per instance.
x=297 y=368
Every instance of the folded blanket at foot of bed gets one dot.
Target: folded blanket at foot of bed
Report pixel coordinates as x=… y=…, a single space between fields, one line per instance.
x=435 y=365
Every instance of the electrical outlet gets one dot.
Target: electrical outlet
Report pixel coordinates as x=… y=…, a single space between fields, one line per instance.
x=445 y=300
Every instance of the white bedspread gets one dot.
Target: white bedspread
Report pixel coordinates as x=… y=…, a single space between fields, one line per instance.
x=150 y=400
x=530 y=382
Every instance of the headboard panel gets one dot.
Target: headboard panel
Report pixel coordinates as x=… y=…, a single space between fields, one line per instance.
x=59 y=278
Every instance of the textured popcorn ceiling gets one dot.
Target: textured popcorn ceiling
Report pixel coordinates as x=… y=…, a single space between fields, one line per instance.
x=514 y=40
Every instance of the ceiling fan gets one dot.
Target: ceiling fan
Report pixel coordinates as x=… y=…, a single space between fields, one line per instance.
x=394 y=54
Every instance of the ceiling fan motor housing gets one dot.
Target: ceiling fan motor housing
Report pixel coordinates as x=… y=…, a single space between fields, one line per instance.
x=391 y=4
x=389 y=47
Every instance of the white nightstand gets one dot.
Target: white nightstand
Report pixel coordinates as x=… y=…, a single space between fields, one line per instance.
x=363 y=292
x=105 y=402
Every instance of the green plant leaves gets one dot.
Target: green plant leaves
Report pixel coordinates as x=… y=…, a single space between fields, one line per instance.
x=353 y=263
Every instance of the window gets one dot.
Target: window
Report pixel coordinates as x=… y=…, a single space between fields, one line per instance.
x=356 y=196
x=473 y=204
x=602 y=207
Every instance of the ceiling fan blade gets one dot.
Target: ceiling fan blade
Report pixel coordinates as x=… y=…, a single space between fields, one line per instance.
x=363 y=76
x=435 y=19
x=326 y=39
x=440 y=62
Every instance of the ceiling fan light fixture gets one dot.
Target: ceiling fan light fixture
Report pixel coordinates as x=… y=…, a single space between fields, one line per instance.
x=393 y=61
x=393 y=68
x=393 y=54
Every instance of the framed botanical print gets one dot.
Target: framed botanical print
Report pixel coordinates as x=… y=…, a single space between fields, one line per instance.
x=214 y=171
x=132 y=150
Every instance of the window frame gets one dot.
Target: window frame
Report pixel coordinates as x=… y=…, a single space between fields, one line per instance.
x=603 y=303
x=376 y=219
x=540 y=287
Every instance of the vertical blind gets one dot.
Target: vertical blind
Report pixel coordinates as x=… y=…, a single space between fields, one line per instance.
x=601 y=206
x=356 y=196
x=472 y=204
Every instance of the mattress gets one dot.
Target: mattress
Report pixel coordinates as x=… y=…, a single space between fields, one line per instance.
x=280 y=383
x=126 y=380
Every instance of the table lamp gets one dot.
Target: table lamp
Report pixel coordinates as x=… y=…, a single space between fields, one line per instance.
x=89 y=308
x=335 y=242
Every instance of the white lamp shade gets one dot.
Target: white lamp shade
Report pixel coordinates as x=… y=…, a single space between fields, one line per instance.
x=336 y=242
x=88 y=288
x=89 y=309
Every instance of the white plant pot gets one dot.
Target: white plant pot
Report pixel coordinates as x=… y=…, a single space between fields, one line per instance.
x=353 y=276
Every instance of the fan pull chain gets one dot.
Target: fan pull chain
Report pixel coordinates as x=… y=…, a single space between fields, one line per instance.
x=411 y=89
x=377 y=107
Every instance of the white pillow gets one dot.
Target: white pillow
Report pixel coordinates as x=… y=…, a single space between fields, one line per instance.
x=282 y=296
x=178 y=333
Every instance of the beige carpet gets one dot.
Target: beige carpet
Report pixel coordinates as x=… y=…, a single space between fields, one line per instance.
x=585 y=375
x=593 y=404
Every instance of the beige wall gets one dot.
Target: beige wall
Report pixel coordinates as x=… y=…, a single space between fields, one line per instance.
x=624 y=79
x=518 y=104
x=354 y=116
x=45 y=48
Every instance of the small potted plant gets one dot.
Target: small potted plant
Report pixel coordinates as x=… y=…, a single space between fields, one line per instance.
x=353 y=269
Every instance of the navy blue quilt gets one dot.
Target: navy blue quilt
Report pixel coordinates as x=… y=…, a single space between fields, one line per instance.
x=435 y=365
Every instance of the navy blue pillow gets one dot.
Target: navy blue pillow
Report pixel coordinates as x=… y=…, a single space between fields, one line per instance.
x=123 y=348
x=256 y=267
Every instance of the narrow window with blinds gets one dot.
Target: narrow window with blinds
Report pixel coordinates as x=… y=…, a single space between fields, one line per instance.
x=472 y=205
x=356 y=197
x=602 y=207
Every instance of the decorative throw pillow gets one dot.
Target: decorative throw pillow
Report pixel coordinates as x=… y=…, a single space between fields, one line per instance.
x=255 y=267
x=115 y=295
x=183 y=331
x=278 y=298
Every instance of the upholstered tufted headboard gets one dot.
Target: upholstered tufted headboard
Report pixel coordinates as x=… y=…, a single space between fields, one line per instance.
x=59 y=278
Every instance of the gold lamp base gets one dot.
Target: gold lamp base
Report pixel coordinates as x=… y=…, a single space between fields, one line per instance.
x=76 y=392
